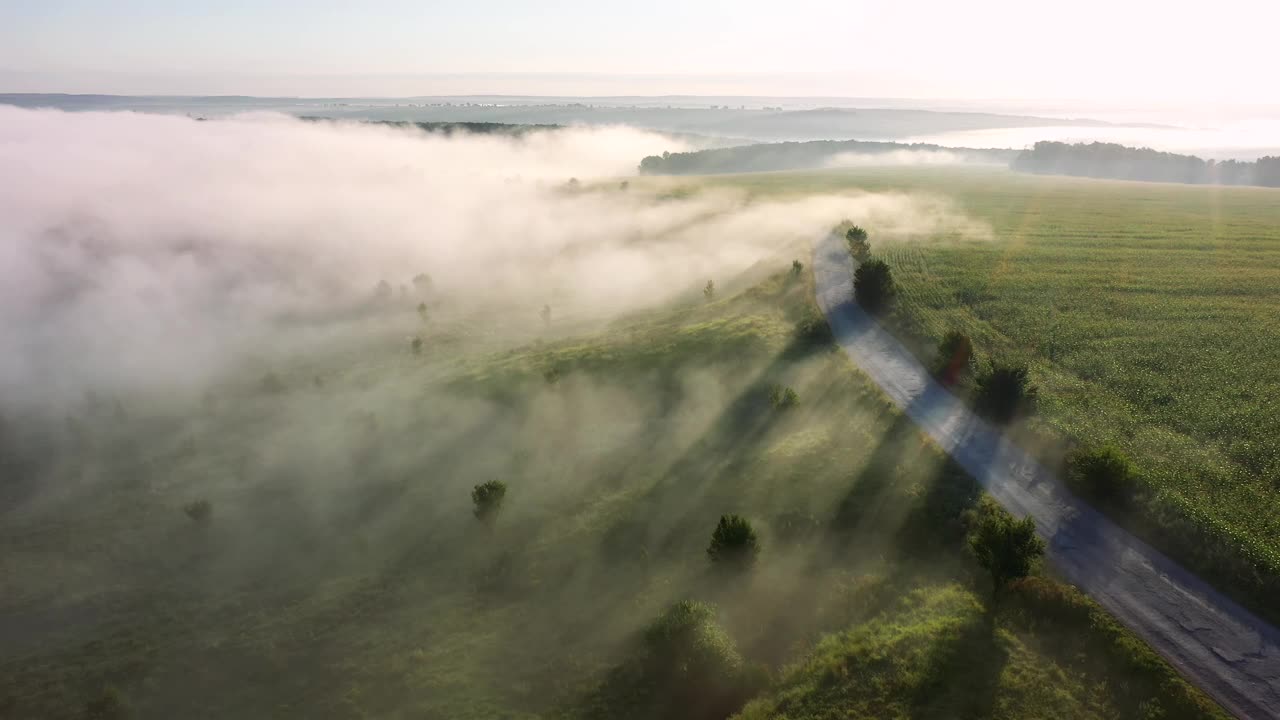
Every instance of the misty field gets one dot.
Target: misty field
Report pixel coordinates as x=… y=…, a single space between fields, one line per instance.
x=1151 y=316
x=340 y=573
x=472 y=427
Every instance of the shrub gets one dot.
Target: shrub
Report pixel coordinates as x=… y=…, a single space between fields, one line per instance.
x=781 y=397
x=1009 y=549
x=709 y=292
x=856 y=238
x=1102 y=474
x=488 y=498
x=690 y=666
x=734 y=544
x=1005 y=391
x=272 y=384
x=873 y=285
x=812 y=329
x=797 y=267
x=686 y=641
x=108 y=705
x=955 y=357
x=199 y=510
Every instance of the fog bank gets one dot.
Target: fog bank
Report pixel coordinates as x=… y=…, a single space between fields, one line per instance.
x=149 y=251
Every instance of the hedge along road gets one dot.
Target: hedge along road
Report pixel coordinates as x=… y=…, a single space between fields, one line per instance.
x=1214 y=642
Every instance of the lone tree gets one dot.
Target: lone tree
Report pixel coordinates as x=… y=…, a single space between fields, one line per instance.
x=856 y=238
x=488 y=498
x=797 y=267
x=1102 y=474
x=709 y=291
x=1008 y=548
x=734 y=544
x=955 y=357
x=1005 y=391
x=873 y=285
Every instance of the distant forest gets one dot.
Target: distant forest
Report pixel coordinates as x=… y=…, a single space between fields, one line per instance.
x=1109 y=160
x=449 y=128
x=795 y=156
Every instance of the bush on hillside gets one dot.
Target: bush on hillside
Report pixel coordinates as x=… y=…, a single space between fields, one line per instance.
x=1104 y=475
x=734 y=545
x=691 y=665
x=272 y=384
x=782 y=398
x=873 y=285
x=1008 y=548
x=487 y=499
x=709 y=291
x=797 y=267
x=1005 y=392
x=109 y=704
x=200 y=511
x=813 y=330
x=955 y=357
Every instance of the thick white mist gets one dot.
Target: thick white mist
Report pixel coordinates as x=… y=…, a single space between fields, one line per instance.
x=148 y=251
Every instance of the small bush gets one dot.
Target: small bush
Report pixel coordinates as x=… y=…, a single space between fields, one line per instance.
x=200 y=511
x=709 y=291
x=488 y=498
x=797 y=267
x=856 y=238
x=272 y=384
x=1005 y=392
x=813 y=330
x=108 y=705
x=955 y=357
x=1104 y=475
x=1009 y=549
x=781 y=397
x=873 y=285
x=734 y=544
x=692 y=669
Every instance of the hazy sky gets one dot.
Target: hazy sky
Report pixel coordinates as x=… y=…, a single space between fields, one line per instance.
x=1103 y=49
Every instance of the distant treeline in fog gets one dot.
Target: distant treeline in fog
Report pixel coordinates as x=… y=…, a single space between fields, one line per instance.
x=449 y=128
x=1109 y=160
x=813 y=154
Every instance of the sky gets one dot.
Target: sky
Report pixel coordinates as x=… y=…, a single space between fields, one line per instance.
x=1086 y=49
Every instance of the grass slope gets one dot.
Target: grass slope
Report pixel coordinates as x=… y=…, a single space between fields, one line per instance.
x=342 y=575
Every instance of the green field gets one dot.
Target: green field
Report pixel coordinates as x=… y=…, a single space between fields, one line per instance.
x=342 y=575
x=1150 y=314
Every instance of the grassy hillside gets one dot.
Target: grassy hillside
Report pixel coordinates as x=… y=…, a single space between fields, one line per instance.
x=1149 y=313
x=340 y=572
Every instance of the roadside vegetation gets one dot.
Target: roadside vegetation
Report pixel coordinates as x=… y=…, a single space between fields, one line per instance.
x=1144 y=316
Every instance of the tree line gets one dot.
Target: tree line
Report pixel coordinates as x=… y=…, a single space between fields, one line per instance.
x=1119 y=162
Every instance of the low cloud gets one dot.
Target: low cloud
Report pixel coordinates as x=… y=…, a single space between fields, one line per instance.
x=149 y=251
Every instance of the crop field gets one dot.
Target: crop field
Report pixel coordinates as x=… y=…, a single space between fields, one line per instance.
x=1150 y=315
